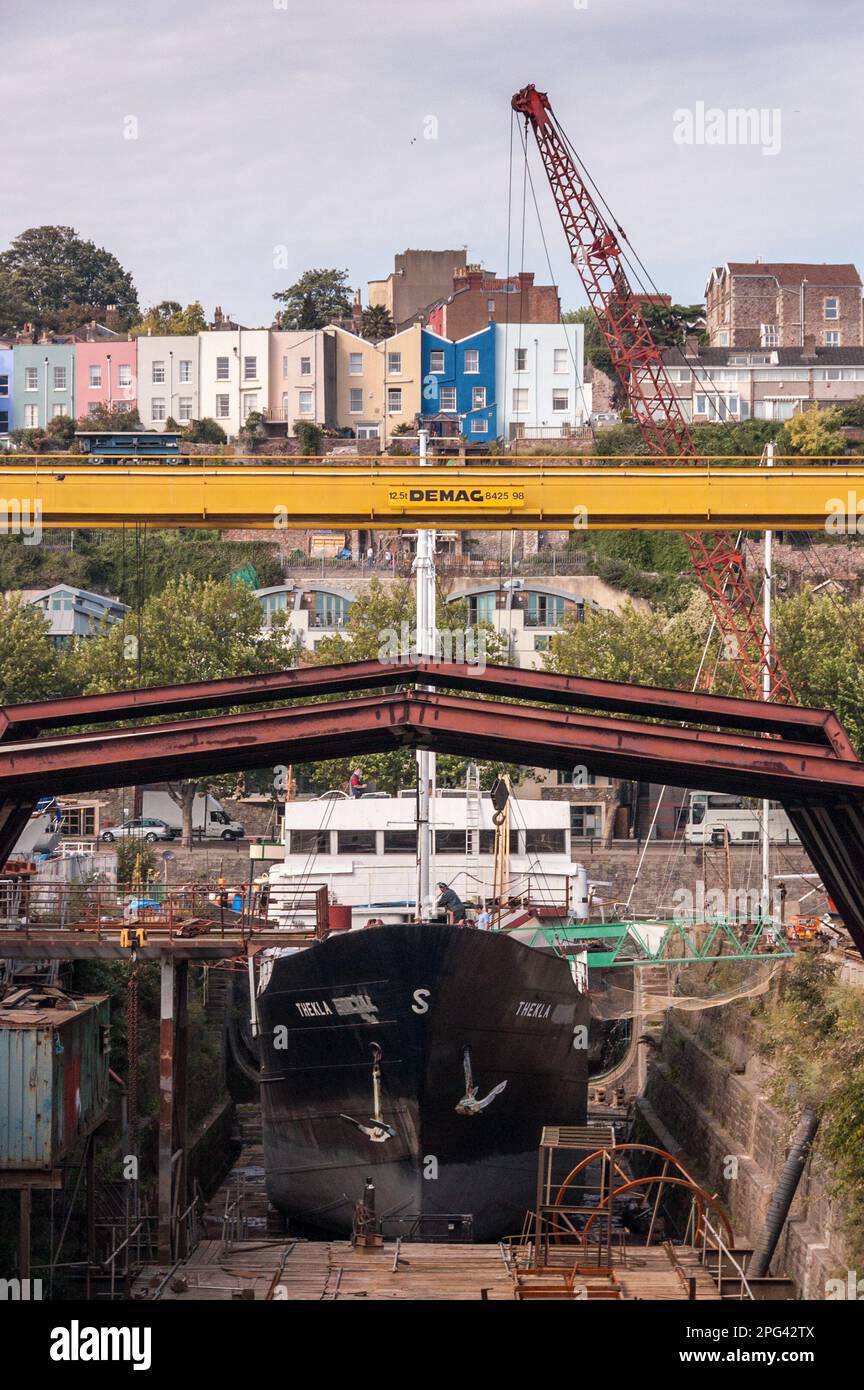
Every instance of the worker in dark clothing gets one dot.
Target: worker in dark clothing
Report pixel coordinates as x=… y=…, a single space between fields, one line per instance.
x=452 y=904
x=356 y=785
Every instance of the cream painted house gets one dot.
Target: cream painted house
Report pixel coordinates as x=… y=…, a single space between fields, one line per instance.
x=302 y=377
x=234 y=375
x=378 y=385
x=167 y=380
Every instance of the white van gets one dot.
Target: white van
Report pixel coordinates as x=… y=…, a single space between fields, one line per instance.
x=209 y=818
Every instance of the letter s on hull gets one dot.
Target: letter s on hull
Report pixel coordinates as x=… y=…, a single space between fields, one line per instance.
x=421 y=1004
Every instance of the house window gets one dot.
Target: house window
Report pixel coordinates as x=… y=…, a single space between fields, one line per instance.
x=394 y=363
x=4 y=421
x=480 y=426
x=520 y=398
x=478 y=398
x=222 y=408
x=285 y=368
x=331 y=610
x=481 y=607
x=832 y=308
x=769 y=335
x=57 y=411
x=158 y=377
x=184 y=408
x=223 y=369
x=59 y=378
x=250 y=368
x=305 y=366
x=520 y=359
x=305 y=403
x=184 y=369
x=356 y=841
x=355 y=364
x=355 y=400
x=717 y=406
x=561 y=360
x=95 y=378
x=4 y=385
x=157 y=408
x=31 y=378
x=472 y=361
x=832 y=338
x=722 y=339
x=544 y=610
x=124 y=374
x=436 y=360
x=93 y=408
x=250 y=403
x=447 y=398
x=586 y=821
x=31 y=417
x=394 y=400
x=560 y=400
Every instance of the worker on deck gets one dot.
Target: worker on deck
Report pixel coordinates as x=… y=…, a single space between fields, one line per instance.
x=484 y=918
x=356 y=785
x=452 y=905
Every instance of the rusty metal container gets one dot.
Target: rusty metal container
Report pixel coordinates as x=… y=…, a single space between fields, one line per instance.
x=53 y=1078
x=340 y=917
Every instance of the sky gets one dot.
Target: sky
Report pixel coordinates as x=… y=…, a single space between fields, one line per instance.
x=222 y=147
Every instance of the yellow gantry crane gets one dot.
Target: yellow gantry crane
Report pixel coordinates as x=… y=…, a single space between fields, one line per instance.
x=596 y=493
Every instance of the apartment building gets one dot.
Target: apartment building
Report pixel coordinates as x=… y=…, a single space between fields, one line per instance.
x=168 y=380
x=234 y=375
x=756 y=304
x=540 y=372
x=418 y=280
x=378 y=385
x=302 y=378
x=44 y=383
x=7 y=378
x=459 y=385
x=479 y=297
x=105 y=375
x=762 y=384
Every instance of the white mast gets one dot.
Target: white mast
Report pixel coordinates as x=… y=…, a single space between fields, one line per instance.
x=766 y=695
x=427 y=632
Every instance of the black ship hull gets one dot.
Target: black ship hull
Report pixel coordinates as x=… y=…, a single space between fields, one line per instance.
x=428 y=1003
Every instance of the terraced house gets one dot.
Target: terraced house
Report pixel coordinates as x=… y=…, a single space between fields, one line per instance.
x=168 y=380
x=234 y=375
x=459 y=395
x=378 y=385
x=45 y=383
x=7 y=377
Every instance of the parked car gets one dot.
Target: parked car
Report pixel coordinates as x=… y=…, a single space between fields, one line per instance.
x=139 y=828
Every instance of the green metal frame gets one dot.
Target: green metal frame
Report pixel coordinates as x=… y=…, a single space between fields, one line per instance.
x=723 y=940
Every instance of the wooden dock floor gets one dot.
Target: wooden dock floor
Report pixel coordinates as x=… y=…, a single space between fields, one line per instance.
x=322 y=1271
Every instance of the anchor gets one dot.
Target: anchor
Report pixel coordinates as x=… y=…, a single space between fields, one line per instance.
x=376 y=1130
x=469 y=1104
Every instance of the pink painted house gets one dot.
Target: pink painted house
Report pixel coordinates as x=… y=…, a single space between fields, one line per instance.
x=105 y=374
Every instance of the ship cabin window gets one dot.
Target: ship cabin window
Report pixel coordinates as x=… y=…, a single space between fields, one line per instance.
x=450 y=841
x=400 y=841
x=545 y=841
x=309 y=842
x=357 y=842
x=487 y=841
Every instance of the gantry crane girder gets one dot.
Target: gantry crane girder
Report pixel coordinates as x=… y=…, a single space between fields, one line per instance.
x=552 y=494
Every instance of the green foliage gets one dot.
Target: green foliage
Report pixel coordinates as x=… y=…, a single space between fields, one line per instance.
x=811 y=1030
x=821 y=643
x=30 y=665
x=310 y=438
x=654 y=648
x=253 y=432
x=170 y=318
x=136 y=862
x=816 y=432
x=744 y=437
x=376 y=322
x=670 y=324
x=206 y=431
x=55 y=274
x=853 y=413
x=316 y=299
x=119 y=417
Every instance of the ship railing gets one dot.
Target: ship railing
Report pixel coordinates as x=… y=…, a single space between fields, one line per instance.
x=725 y=1260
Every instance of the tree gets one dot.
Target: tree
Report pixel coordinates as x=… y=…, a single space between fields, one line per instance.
x=853 y=413
x=169 y=318
x=118 y=417
x=816 y=431
x=253 y=432
x=191 y=631
x=670 y=324
x=376 y=323
x=820 y=640
x=206 y=431
x=54 y=270
x=317 y=298
x=30 y=664
x=310 y=438
x=13 y=304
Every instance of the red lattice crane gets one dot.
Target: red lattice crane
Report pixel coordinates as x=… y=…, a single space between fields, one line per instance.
x=596 y=253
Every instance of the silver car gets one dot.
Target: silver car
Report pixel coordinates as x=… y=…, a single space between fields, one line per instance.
x=139 y=828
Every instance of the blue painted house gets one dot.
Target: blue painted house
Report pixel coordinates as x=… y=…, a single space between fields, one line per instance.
x=6 y=381
x=44 y=383
x=458 y=390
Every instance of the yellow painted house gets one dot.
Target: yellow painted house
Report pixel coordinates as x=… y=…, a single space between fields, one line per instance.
x=378 y=385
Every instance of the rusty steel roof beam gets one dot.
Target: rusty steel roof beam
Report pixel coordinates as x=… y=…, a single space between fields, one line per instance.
x=806 y=725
